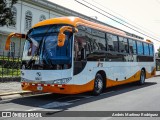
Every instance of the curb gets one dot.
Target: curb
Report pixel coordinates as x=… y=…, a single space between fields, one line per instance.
x=157 y=76
x=14 y=95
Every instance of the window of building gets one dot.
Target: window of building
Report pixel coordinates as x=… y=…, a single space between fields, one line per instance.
x=123 y=45
x=42 y=17
x=140 y=48
x=151 y=50
x=28 y=20
x=112 y=42
x=132 y=46
x=146 y=49
x=14 y=13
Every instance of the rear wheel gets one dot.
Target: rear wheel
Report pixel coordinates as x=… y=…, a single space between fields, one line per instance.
x=142 y=78
x=98 y=84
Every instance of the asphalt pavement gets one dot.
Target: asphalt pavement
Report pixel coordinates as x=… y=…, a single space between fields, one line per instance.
x=129 y=97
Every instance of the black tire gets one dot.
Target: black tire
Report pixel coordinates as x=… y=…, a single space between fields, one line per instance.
x=98 y=84
x=142 y=77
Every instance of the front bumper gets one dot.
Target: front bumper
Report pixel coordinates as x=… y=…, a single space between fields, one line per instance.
x=58 y=88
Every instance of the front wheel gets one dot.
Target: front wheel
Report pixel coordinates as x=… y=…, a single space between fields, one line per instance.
x=142 y=77
x=98 y=84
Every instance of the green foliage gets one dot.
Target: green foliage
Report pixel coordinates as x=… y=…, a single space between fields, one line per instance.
x=9 y=67
x=6 y=16
x=9 y=72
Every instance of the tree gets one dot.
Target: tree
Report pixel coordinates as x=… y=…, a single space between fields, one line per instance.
x=6 y=16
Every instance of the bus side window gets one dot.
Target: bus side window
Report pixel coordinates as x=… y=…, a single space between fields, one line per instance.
x=123 y=45
x=151 y=49
x=100 y=40
x=112 y=42
x=101 y=43
x=76 y=50
x=94 y=43
x=140 y=48
x=132 y=47
x=146 y=49
x=79 y=46
x=131 y=50
x=88 y=38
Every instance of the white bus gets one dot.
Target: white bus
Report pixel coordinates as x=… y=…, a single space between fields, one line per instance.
x=70 y=55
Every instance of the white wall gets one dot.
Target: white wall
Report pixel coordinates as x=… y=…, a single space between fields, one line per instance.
x=36 y=13
x=22 y=8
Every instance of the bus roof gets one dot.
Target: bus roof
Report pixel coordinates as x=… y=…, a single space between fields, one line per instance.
x=75 y=21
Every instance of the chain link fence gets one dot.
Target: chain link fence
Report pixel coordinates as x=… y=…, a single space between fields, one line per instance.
x=10 y=63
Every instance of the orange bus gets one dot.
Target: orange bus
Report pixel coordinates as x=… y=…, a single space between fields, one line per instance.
x=70 y=55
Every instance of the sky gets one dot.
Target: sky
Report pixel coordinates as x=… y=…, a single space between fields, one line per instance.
x=144 y=14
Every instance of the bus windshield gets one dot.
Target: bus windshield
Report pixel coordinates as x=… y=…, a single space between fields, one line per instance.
x=41 y=50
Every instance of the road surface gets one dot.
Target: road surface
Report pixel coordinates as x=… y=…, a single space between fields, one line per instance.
x=129 y=97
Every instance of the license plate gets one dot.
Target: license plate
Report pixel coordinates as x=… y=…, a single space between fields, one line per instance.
x=39 y=88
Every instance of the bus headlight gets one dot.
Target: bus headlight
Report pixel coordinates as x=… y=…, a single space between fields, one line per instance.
x=62 y=81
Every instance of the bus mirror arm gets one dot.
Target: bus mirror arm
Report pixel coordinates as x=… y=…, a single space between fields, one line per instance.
x=62 y=36
x=8 y=41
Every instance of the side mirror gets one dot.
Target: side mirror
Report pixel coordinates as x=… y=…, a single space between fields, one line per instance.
x=62 y=36
x=61 y=39
x=8 y=41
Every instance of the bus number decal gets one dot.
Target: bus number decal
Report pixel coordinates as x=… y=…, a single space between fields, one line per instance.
x=100 y=64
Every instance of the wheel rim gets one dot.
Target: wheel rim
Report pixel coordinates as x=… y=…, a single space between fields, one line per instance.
x=98 y=84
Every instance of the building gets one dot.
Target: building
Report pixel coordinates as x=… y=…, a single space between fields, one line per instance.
x=26 y=14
